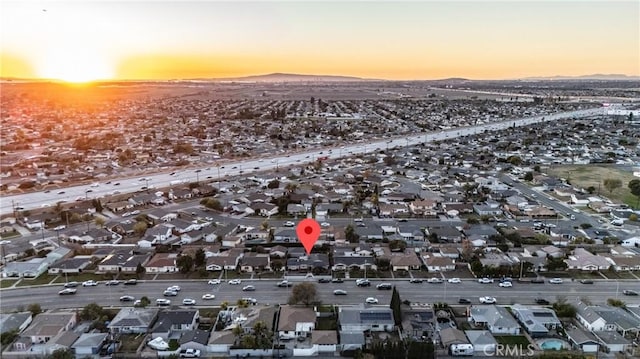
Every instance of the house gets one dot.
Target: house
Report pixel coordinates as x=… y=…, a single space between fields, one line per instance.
x=496 y=319
x=195 y=339
x=162 y=263
x=46 y=326
x=265 y=209
x=584 y=260
x=159 y=234
x=582 y=340
x=450 y=336
x=324 y=341
x=482 y=340
x=536 y=321
x=351 y=341
x=343 y=263
x=228 y=260
x=426 y=207
x=123 y=262
x=445 y=234
x=89 y=344
x=310 y=262
x=435 y=262
x=278 y=251
x=133 y=321
x=175 y=320
x=359 y=318
x=220 y=342
x=15 y=321
x=405 y=261
x=70 y=265
x=295 y=322
x=604 y=318
x=255 y=262
x=613 y=341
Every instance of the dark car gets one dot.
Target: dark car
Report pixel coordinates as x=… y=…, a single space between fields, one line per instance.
x=337 y=280
x=384 y=286
x=537 y=280
x=415 y=280
x=284 y=284
x=71 y=284
x=629 y=292
x=542 y=301
x=464 y=301
x=586 y=281
x=131 y=282
x=112 y=282
x=324 y=280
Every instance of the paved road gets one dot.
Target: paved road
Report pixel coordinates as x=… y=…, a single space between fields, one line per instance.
x=267 y=292
x=127 y=185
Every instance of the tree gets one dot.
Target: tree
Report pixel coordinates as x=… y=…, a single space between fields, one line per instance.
x=616 y=303
x=397 y=245
x=97 y=204
x=200 y=258
x=211 y=203
x=99 y=221
x=395 y=306
x=304 y=293
x=611 y=184
x=273 y=184
x=34 y=308
x=634 y=186
x=184 y=263
x=140 y=269
x=62 y=354
x=351 y=235
x=92 y=311
x=139 y=228
x=8 y=337
x=555 y=264
x=528 y=176
x=144 y=301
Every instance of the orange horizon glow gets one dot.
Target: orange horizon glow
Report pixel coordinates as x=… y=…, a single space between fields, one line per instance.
x=109 y=40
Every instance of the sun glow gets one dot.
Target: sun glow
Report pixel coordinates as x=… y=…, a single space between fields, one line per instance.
x=75 y=66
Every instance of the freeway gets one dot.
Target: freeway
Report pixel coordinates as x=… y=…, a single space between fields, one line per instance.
x=268 y=293
x=169 y=178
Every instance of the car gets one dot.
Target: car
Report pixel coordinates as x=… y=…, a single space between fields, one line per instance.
x=131 y=282
x=555 y=280
x=169 y=293
x=127 y=298
x=249 y=300
x=112 y=282
x=434 y=280
x=506 y=279
x=189 y=353
x=542 y=301
x=208 y=296
x=289 y=224
x=339 y=292
x=60 y=227
x=89 y=283
x=248 y=288
x=384 y=286
x=162 y=301
x=235 y=281
x=337 y=280
x=324 y=280
x=137 y=303
x=134 y=213
x=174 y=288
x=71 y=284
x=464 y=301
x=61 y=192
x=188 y=301
x=284 y=284
x=485 y=280
x=363 y=283
x=629 y=292
x=415 y=280
x=371 y=300
x=505 y=285
x=325 y=224
x=454 y=280
x=586 y=281
x=487 y=300
x=537 y=280
x=214 y=281
x=67 y=291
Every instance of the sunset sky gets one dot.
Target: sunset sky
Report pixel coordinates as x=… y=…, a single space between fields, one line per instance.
x=88 y=40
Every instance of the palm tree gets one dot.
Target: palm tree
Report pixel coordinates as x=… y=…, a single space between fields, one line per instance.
x=291 y=187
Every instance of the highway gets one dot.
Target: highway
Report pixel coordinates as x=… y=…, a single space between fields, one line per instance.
x=169 y=178
x=268 y=293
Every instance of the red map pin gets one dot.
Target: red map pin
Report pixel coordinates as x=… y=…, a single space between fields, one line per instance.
x=308 y=231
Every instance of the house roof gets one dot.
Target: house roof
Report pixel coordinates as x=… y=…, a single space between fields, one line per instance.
x=169 y=318
x=611 y=338
x=580 y=336
x=91 y=340
x=324 y=337
x=48 y=324
x=405 y=259
x=452 y=335
x=291 y=315
x=480 y=337
x=494 y=316
x=352 y=338
x=12 y=321
x=196 y=336
x=361 y=315
x=134 y=317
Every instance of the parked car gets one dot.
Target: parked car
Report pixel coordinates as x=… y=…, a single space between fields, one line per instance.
x=235 y=281
x=454 y=280
x=434 y=280
x=324 y=280
x=555 y=280
x=188 y=301
x=487 y=300
x=289 y=224
x=127 y=298
x=189 y=353
x=174 y=288
x=248 y=288
x=384 y=286
x=89 y=283
x=208 y=296
x=485 y=280
x=464 y=301
x=214 y=281
x=415 y=280
x=542 y=301
x=371 y=300
x=284 y=284
x=586 y=281
x=337 y=280
x=71 y=284
x=251 y=301
x=339 y=292
x=629 y=292
x=131 y=282
x=67 y=291
x=112 y=282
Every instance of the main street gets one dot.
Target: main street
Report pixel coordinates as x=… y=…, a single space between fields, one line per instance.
x=219 y=171
x=268 y=293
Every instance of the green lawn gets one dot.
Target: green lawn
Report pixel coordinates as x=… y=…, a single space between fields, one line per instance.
x=42 y=279
x=618 y=275
x=6 y=283
x=78 y=277
x=329 y=323
x=268 y=275
x=7 y=235
x=512 y=340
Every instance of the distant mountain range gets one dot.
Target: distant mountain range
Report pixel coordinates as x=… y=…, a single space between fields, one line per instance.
x=282 y=77
x=586 y=77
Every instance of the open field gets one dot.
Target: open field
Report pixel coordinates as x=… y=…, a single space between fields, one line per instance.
x=585 y=176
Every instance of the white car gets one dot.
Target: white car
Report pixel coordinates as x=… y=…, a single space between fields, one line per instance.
x=89 y=283
x=289 y=224
x=235 y=281
x=487 y=300
x=188 y=301
x=434 y=280
x=485 y=280
x=454 y=280
x=555 y=280
x=371 y=300
x=174 y=288
x=60 y=227
x=325 y=224
x=505 y=285
x=208 y=296
x=162 y=301
x=214 y=281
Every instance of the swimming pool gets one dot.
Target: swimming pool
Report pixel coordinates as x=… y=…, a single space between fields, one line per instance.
x=553 y=344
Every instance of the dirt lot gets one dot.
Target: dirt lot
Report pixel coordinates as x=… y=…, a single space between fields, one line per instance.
x=593 y=175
